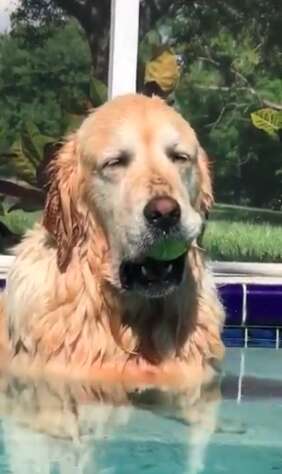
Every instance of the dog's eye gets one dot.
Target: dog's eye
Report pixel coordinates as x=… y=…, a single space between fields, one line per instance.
x=112 y=163
x=179 y=156
x=120 y=160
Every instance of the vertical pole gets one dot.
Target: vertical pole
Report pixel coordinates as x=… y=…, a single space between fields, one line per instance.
x=123 y=47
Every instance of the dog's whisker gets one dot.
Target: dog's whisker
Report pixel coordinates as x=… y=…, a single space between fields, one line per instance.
x=144 y=270
x=169 y=268
x=197 y=247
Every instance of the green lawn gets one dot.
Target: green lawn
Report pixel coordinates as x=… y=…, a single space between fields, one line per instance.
x=243 y=241
x=243 y=214
x=233 y=233
x=245 y=234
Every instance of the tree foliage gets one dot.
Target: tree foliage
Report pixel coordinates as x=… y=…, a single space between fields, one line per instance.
x=45 y=93
x=232 y=70
x=268 y=120
x=229 y=75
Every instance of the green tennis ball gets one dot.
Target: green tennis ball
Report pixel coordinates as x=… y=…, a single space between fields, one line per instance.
x=168 y=250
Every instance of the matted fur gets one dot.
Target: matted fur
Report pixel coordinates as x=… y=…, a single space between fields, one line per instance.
x=62 y=306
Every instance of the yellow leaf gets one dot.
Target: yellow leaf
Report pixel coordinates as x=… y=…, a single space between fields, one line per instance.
x=268 y=120
x=164 y=70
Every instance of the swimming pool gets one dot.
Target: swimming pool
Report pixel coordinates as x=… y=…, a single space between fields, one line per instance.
x=45 y=430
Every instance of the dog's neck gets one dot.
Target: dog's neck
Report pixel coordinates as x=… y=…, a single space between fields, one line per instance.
x=159 y=327
x=185 y=323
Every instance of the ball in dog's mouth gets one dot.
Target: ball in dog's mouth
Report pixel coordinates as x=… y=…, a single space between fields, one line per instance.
x=159 y=272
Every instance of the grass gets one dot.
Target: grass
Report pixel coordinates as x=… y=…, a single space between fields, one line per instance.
x=246 y=234
x=243 y=241
x=243 y=214
x=233 y=233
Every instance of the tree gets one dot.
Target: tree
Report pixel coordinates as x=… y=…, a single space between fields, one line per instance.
x=94 y=18
x=43 y=90
x=37 y=83
x=228 y=74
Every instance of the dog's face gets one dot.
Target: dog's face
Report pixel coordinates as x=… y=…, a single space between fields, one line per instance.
x=143 y=177
x=144 y=174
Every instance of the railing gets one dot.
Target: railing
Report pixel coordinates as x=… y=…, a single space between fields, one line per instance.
x=243 y=272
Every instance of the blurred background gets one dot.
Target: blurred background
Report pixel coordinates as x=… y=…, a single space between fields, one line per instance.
x=219 y=65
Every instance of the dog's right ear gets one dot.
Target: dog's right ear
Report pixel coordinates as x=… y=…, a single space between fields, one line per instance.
x=61 y=217
x=206 y=198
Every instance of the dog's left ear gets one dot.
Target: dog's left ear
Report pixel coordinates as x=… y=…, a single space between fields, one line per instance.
x=206 y=193
x=61 y=217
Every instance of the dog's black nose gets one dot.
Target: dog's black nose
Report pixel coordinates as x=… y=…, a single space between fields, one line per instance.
x=163 y=212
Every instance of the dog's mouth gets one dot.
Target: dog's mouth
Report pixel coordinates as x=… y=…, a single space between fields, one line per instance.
x=154 y=278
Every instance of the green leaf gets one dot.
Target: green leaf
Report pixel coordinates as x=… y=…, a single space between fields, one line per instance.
x=97 y=92
x=71 y=122
x=268 y=120
x=33 y=142
x=150 y=45
x=16 y=163
x=27 y=204
x=4 y=144
x=154 y=43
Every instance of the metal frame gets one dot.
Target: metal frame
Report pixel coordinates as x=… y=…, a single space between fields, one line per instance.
x=123 y=47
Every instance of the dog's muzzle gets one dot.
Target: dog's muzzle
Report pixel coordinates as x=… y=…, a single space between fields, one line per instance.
x=151 y=277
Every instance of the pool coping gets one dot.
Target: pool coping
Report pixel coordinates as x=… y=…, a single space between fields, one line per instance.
x=223 y=271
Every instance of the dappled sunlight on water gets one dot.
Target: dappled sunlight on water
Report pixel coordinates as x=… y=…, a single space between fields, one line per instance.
x=55 y=427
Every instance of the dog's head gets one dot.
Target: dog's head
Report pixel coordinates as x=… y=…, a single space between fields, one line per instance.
x=136 y=165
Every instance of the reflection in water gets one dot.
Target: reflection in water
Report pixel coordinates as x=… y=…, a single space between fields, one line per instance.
x=56 y=428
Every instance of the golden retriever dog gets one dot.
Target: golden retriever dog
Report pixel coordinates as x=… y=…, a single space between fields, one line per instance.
x=83 y=297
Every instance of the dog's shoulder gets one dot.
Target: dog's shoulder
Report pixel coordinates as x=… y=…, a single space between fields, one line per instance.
x=31 y=273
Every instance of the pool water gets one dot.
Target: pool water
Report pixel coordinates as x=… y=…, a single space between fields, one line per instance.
x=234 y=427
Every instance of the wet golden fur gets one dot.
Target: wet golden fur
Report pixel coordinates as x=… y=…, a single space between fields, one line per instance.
x=63 y=308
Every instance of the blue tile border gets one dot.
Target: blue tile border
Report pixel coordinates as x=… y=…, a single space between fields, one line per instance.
x=252 y=337
x=260 y=324
x=253 y=314
x=261 y=337
x=233 y=337
x=232 y=299
x=264 y=305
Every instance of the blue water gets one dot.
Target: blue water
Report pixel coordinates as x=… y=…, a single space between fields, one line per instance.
x=44 y=429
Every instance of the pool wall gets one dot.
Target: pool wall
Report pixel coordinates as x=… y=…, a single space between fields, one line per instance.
x=253 y=314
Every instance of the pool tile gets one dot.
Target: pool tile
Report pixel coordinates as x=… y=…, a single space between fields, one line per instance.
x=262 y=337
x=264 y=305
x=232 y=299
x=263 y=364
x=232 y=360
x=280 y=338
x=233 y=337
